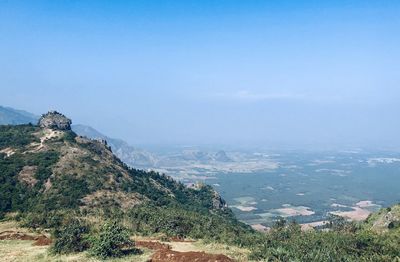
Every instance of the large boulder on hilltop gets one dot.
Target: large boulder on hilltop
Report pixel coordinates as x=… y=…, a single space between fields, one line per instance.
x=55 y=120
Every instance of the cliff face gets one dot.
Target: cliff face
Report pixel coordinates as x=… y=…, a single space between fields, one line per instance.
x=218 y=202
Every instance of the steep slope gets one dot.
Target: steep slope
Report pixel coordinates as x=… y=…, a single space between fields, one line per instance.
x=46 y=173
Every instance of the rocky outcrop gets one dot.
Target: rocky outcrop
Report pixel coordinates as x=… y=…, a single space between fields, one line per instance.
x=55 y=120
x=386 y=219
x=218 y=202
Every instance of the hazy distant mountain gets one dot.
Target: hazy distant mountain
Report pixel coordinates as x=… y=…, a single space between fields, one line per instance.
x=195 y=155
x=221 y=156
x=130 y=155
x=205 y=157
x=11 y=116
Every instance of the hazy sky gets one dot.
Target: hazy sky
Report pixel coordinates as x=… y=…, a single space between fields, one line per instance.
x=294 y=73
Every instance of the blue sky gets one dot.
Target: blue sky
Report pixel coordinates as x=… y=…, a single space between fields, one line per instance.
x=284 y=73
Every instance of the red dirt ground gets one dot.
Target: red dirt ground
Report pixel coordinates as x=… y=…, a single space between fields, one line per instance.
x=163 y=251
x=13 y=235
x=165 y=254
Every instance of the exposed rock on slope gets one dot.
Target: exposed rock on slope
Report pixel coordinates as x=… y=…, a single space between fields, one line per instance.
x=218 y=202
x=385 y=219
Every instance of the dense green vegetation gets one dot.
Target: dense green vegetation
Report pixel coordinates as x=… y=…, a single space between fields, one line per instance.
x=76 y=235
x=343 y=242
x=17 y=135
x=175 y=221
x=13 y=194
x=112 y=241
x=72 y=236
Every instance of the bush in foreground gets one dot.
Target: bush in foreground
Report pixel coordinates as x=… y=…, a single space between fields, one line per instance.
x=71 y=237
x=112 y=241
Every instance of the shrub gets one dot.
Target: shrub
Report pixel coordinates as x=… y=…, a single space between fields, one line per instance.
x=112 y=241
x=69 y=136
x=71 y=237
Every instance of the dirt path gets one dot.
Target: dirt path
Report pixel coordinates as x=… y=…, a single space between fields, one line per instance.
x=165 y=254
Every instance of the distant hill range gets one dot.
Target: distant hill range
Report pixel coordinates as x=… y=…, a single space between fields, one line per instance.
x=11 y=116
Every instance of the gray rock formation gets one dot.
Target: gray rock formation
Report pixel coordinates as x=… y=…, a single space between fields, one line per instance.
x=218 y=202
x=55 y=120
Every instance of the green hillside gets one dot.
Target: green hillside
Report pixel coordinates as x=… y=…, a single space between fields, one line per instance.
x=49 y=173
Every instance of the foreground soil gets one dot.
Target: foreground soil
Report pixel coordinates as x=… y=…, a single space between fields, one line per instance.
x=21 y=244
x=163 y=253
x=40 y=240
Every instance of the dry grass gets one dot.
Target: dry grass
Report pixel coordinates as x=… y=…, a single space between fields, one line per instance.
x=24 y=251
x=239 y=254
x=20 y=250
x=11 y=226
x=122 y=199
